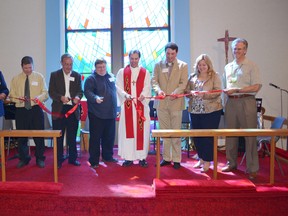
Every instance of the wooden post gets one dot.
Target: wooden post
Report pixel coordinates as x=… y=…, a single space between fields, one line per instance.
x=272 y=159
x=158 y=158
x=3 y=159
x=215 y=158
x=55 y=159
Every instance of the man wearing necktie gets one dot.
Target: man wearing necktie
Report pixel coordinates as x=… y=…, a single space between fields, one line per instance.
x=26 y=89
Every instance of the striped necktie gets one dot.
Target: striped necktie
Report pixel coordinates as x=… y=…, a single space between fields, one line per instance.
x=27 y=94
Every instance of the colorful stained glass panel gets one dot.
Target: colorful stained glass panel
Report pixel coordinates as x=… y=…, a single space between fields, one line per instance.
x=88 y=14
x=150 y=44
x=87 y=47
x=145 y=14
x=88 y=36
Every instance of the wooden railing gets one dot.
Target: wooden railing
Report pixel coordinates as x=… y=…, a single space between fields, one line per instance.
x=216 y=133
x=30 y=133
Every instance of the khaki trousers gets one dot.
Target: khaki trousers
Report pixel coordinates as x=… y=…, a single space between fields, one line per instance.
x=169 y=119
x=241 y=113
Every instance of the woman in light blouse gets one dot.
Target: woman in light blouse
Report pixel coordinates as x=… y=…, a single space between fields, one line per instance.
x=205 y=106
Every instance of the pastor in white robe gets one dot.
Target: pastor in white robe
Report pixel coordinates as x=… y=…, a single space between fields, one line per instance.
x=127 y=146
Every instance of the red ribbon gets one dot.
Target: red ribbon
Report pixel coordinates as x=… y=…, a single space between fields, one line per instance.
x=161 y=97
x=43 y=107
x=139 y=111
x=71 y=110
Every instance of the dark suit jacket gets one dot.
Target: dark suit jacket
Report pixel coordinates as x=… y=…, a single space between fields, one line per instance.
x=3 y=89
x=57 y=89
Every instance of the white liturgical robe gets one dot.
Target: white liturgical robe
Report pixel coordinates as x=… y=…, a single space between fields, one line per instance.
x=127 y=147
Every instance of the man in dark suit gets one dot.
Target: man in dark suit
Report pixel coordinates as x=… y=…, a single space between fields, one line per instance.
x=65 y=89
x=4 y=91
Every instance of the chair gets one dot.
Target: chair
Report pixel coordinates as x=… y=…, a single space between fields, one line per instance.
x=9 y=124
x=276 y=124
x=186 y=125
x=84 y=132
x=154 y=118
x=48 y=126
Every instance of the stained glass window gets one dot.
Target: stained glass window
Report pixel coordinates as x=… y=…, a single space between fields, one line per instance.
x=87 y=14
x=145 y=14
x=89 y=28
x=150 y=43
x=86 y=47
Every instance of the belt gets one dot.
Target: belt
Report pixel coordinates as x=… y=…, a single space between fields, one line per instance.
x=239 y=96
x=29 y=109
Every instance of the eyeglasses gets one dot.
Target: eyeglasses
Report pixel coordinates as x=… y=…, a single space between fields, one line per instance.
x=238 y=49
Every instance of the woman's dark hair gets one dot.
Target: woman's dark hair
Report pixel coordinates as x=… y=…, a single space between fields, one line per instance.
x=100 y=61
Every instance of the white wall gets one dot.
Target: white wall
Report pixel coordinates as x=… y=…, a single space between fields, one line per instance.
x=23 y=32
x=262 y=22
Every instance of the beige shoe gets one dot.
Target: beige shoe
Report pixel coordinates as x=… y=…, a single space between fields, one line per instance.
x=199 y=164
x=206 y=166
x=228 y=168
x=252 y=175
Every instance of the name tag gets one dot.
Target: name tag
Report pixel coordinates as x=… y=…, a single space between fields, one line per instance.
x=111 y=79
x=165 y=70
x=72 y=79
x=34 y=83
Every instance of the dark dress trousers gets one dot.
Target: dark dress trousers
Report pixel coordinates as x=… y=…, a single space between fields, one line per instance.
x=70 y=124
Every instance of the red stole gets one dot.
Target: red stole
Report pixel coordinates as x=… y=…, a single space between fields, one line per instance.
x=139 y=106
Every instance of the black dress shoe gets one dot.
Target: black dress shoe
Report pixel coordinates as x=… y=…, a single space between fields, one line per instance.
x=112 y=160
x=94 y=166
x=143 y=163
x=165 y=163
x=59 y=165
x=23 y=163
x=176 y=165
x=40 y=163
x=127 y=163
x=75 y=163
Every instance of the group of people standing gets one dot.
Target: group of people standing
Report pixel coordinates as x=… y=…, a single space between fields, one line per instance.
x=206 y=90
x=29 y=91
x=240 y=83
x=131 y=91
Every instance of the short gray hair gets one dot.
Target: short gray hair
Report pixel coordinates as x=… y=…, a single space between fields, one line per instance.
x=239 y=40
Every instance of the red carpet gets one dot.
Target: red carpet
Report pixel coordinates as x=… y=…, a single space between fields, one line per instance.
x=187 y=188
x=30 y=187
x=114 y=190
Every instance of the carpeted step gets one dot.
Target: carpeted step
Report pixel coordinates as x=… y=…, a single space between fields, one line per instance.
x=30 y=187
x=175 y=187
